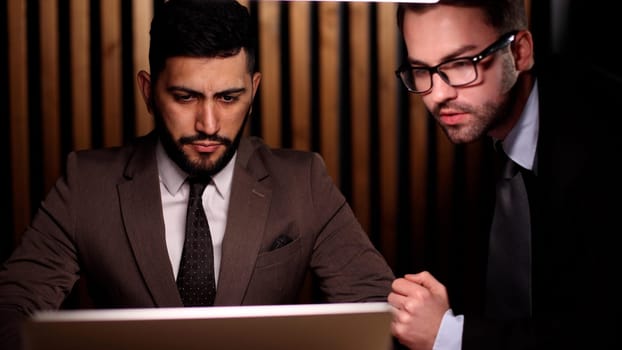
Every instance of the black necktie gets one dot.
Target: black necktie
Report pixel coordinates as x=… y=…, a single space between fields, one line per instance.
x=509 y=264
x=195 y=279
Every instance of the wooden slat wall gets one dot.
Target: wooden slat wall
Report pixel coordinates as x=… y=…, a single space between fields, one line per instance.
x=328 y=86
x=79 y=55
x=112 y=99
x=300 y=73
x=387 y=92
x=360 y=47
x=18 y=114
x=50 y=115
x=270 y=59
x=329 y=46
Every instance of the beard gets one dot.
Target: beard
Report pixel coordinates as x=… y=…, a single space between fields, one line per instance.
x=174 y=148
x=487 y=116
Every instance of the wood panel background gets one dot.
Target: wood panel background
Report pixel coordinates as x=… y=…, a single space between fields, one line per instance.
x=67 y=81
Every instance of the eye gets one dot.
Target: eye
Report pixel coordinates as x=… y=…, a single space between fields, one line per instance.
x=229 y=98
x=458 y=64
x=183 y=97
x=419 y=73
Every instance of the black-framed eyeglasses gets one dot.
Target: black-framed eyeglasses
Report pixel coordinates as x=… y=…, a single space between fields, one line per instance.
x=455 y=72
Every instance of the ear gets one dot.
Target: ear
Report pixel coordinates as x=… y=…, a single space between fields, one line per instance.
x=256 y=81
x=144 y=85
x=523 y=51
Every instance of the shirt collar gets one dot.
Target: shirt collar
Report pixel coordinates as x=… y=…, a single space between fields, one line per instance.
x=520 y=144
x=173 y=177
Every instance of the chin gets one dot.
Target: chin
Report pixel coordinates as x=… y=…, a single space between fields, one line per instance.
x=203 y=162
x=457 y=137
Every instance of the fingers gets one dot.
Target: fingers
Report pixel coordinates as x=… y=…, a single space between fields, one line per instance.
x=402 y=286
x=418 y=286
x=423 y=278
x=418 y=303
x=407 y=296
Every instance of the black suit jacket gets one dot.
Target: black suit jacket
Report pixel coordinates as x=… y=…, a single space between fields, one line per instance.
x=575 y=207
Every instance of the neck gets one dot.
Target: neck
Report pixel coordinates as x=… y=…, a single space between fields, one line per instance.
x=517 y=100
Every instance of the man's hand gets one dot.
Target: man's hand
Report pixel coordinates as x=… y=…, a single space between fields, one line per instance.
x=419 y=302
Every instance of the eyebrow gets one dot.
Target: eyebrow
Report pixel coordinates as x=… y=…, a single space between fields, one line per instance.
x=231 y=91
x=459 y=53
x=176 y=88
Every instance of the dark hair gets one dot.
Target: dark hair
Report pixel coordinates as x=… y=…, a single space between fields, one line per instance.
x=503 y=15
x=196 y=28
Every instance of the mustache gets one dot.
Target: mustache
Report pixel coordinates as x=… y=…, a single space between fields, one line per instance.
x=184 y=140
x=453 y=106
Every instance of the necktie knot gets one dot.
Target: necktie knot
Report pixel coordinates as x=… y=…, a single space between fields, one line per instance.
x=510 y=168
x=506 y=168
x=197 y=186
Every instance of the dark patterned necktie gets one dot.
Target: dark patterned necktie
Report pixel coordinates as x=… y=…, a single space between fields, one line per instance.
x=195 y=279
x=509 y=265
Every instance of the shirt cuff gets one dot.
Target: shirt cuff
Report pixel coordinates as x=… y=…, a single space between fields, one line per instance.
x=449 y=335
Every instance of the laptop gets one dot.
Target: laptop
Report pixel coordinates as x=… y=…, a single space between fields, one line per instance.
x=335 y=326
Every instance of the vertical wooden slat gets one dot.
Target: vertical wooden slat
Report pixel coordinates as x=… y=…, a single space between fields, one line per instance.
x=300 y=85
x=80 y=73
x=18 y=109
x=270 y=63
x=360 y=80
x=142 y=12
x=387 y=61
x=328 y=13
x=50 y=104
x=112 y=98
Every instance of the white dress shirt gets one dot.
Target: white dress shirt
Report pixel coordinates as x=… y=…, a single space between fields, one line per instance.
x=174 y=191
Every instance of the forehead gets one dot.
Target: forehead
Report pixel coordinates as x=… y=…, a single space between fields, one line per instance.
x=205 y=72
x=443 y=31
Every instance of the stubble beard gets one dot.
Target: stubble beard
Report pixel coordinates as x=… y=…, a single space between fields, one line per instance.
x=485 y=117
x=481 y=119
x=199 y=168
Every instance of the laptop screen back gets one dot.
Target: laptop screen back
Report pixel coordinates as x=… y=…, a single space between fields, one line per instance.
x=344 y=326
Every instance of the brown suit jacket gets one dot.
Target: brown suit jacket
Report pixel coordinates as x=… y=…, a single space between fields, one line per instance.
x=103 y=221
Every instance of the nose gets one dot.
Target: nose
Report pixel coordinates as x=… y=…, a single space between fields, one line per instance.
x=207 y=120
x=441 y=90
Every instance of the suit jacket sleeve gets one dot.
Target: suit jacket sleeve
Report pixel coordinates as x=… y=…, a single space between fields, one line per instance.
x=351 y=269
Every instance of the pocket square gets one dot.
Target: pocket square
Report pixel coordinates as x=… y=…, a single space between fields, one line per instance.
x=280 y=241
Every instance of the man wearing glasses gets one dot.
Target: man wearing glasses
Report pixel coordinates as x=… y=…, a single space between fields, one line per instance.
x=547 y=265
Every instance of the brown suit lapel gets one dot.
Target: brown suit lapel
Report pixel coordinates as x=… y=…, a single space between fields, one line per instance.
x=248 y=212
x=142 y=214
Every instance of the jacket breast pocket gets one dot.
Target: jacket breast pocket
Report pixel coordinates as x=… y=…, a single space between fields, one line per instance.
x=278 y=275
x=288 y=253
